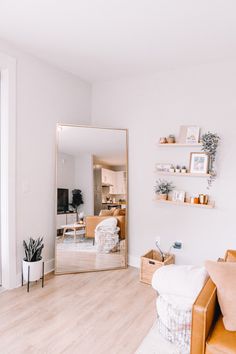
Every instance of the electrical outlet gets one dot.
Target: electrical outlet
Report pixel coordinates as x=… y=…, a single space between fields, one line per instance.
x=158 y=240
x=178 y=245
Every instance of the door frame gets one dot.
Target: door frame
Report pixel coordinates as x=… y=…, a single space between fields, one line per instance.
x=8 y=170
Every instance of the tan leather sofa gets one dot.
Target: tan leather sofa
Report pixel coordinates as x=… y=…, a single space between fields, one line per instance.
x=208 y=333
x=92 y=221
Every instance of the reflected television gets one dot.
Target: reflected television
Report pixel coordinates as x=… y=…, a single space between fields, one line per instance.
x=62 y=200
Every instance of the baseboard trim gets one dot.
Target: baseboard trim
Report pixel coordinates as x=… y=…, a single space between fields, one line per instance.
x=134 y=261
x=49 y=267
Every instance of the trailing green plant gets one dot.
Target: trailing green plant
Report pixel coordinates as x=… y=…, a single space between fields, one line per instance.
x=33 y=249
x=163 y=187
x=210 y=142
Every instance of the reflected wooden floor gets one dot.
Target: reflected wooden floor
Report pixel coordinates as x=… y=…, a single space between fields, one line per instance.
x=82 y=256
x=91 y=313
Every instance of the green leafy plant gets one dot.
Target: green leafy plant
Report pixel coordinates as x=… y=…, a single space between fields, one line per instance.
x=77 y=199
x=210 y=142
x=33 y=249
x=163 y=187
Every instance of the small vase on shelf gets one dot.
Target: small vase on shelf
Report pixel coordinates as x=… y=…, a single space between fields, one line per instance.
x=171 y=139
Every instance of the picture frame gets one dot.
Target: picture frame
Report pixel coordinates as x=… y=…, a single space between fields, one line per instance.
x=178 y=196
x=199 y=162
x=189 y=134
x=193 y=134
x=163 y=167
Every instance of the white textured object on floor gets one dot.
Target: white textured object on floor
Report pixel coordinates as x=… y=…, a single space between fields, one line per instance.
x=154 y=343
x=106 y=235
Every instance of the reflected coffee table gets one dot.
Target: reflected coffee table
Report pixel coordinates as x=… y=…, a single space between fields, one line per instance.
x=74 y=227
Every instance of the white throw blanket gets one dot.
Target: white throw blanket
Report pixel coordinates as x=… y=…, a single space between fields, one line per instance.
x=178 y=287
x=106 y=235
x=174 y=323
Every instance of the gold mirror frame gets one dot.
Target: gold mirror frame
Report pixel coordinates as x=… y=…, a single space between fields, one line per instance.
x=58 y=128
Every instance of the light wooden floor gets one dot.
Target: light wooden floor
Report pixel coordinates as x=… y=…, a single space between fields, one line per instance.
x=106 y=312
x=70 y=259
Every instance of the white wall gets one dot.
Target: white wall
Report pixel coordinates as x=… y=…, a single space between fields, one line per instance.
x=66 y=172
x=155 y=106
x=84 y=181
x=76 y=172
x=45 y=96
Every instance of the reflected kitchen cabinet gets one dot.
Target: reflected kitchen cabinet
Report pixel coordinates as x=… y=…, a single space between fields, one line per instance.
x=120 y=183
x=115 y=180
x=108 y=177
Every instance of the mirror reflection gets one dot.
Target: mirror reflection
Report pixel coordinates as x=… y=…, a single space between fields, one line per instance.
x=91 y=199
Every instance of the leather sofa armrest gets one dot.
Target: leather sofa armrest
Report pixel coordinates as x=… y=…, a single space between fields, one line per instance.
x=230 y=256
x=122 y=225
x=203 y=314
x=92 y=221
x=90 y=224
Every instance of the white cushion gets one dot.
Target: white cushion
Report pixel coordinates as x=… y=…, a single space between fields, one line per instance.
x=184 y=281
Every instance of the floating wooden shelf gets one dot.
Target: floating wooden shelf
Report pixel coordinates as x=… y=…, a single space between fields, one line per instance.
x=207 y=206
x=180 y=145
x=179 y=174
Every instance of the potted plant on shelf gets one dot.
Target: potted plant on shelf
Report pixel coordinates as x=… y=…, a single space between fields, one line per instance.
x=163 y=188
x=183 y=169
x=171 y=139
x=33 y=259
x=177 y=169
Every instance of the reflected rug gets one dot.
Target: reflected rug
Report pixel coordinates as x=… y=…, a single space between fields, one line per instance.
x=81 y=245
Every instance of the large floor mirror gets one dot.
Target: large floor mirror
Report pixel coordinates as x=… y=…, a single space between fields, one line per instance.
x=91 y=186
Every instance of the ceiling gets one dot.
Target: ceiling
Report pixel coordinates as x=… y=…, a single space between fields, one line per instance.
x=109 y=39
x=108 y=146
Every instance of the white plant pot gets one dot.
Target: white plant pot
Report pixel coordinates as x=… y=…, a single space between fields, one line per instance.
x=35 y=270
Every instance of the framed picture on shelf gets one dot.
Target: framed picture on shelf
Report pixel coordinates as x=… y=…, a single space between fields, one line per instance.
x=199 y=162
x=178 y=196
x=163 y=167
x=189 y=134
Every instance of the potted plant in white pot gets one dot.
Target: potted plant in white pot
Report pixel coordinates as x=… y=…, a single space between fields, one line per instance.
x=177 y=169
x=33 y=259
x=163 y=188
